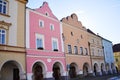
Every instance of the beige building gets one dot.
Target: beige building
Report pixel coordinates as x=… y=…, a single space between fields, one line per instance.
x=12 y=40
x=96 y=53
x=116 y=50
x=76 y=46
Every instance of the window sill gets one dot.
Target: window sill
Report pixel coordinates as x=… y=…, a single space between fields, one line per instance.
x=40 y=48
x=55 y=50
x=5 y=15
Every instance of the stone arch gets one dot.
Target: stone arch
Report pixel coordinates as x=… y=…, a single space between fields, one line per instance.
x=86 y=69
x=96 y=68
x=113 y=68
x=38 y=70
x=12 y=70
x=103 y=69
x=57 y=70
x=73 y=70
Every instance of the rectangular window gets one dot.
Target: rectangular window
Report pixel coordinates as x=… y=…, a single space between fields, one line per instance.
x=86 y=51
x=41 y=23
x=39 y=41
x=3 y=6
x=69 y=49
x=75 y=50
x=51 y=27
x=81 y=50
x=2 y=36
x=55 y=44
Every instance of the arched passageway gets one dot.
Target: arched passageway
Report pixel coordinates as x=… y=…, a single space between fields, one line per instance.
x=73 y=70
x=86 y=69
x=11 y=71
x=57 y=71
x=38 y=71
x=103 y=69
x=96 y=69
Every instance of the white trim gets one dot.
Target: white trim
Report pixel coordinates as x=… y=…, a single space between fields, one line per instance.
x=52 y=28
x=61 y=31
x=55 y=39
x=42 y=23
x=27 y=30
x=40 y=36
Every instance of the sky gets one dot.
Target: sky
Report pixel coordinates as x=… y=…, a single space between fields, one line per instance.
x=101 y=16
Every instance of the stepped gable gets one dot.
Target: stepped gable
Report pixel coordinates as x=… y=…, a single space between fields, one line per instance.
x=116 y=48
x=73 y=21
x=45 y=10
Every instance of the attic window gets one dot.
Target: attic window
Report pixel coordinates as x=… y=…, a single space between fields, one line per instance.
x=47 y=14
x=71 y=33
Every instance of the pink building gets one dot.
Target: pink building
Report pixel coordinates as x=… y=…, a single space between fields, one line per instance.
x=45 y=57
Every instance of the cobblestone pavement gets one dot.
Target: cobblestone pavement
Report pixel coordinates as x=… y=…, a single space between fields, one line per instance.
x=107 y=77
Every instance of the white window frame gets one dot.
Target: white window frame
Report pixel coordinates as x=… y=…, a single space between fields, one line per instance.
x=2 y=12
x=55 y=39
x=1 y=36
x=40 y=36
x=52 y=27
x=42 y=23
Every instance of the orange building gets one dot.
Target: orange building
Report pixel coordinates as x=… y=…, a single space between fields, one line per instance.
x=76 y=49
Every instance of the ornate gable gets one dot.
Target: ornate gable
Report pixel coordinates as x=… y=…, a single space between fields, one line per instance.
x=45 y=10
x=73 y=21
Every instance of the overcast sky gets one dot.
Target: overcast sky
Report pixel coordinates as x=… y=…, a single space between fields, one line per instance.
x=101 y=16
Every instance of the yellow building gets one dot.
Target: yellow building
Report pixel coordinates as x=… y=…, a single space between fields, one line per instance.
x=116 y=50
x=76 y=46
x=96 y=52
x=12 y=40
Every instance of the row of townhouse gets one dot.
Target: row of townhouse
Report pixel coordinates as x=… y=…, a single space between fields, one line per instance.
x=35 y=45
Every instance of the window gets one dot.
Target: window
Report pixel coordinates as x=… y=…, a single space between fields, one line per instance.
x=2 y=36
x=86 y=51
x=81 y=50
x=39 y=41
x=71 y=33
x=55 y=44
x=3 y=6
x=47 y=14
x=41 y=23
x=69 y=49
x=51 y=27
x=75 y=49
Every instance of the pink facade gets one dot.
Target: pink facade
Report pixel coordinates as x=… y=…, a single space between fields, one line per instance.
x=46 y=57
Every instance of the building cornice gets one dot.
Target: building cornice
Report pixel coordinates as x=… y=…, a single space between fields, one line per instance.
x=23 y=1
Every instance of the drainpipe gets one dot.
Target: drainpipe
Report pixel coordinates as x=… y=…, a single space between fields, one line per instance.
x=90 y=54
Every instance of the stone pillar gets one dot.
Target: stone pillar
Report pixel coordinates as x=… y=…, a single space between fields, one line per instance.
x=22 y=76
x=90 y=73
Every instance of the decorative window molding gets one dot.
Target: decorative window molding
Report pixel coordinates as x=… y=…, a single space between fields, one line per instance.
x=4 y=7
x=2 y=36
x=75 y=50
x=5 y=25
x=81 y=50
x=51 y=27
x=41 y=23
x=55 y=44
x=69 y=49
x=40 y=41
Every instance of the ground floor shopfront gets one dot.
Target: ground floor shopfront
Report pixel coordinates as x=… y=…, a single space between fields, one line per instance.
x=12 y=63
